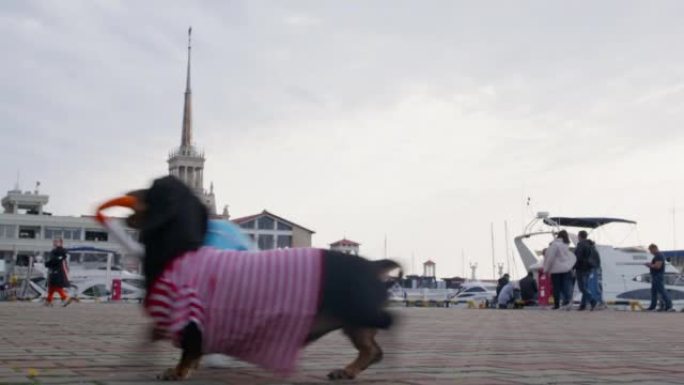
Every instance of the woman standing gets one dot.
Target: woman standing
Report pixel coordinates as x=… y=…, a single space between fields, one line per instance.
x=559 y=261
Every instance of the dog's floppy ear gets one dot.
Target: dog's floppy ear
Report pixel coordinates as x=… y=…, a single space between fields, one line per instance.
x=171 y=205
x=174 y=221
x=162 y=202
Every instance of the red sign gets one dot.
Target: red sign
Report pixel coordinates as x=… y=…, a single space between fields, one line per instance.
x=116 y=289
x=544 y=288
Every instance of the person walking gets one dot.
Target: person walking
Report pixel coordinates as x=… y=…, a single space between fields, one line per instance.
x=58 y=279
x=657 y=266
x=583 y=267
x=558 y=262
x=595 y=284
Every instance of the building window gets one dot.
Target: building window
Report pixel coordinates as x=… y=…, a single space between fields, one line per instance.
x=266 y=223
x=7 y=255
x=283 y=226
x=248 y=224
x=28 y=232
x=96 y=235
x=265 y=241
x=8 y=231
x=63 y=232
x=23 y=260
x=284 y=241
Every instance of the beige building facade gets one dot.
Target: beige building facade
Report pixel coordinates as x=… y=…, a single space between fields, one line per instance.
x=269 y=231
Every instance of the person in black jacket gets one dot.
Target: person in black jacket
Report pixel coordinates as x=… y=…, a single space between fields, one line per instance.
x=503 y=281
x=583 y=267
x=657 y=267
x=528 y=289
x=57 y=273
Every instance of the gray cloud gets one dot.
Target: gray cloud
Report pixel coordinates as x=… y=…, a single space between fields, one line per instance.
x=424 y=121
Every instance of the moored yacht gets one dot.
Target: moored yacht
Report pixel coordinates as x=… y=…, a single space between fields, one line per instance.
x=625 y=278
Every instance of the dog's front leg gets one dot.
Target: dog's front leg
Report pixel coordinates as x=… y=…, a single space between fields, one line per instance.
x=191 y=343
x=369 y=353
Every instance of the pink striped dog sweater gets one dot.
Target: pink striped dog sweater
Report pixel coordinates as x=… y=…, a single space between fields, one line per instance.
x=256 y=306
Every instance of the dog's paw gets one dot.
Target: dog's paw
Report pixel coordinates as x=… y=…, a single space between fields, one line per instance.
x=171 y=374
x=341 y=374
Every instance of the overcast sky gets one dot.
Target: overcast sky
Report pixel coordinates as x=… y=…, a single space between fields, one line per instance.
x=421 y=121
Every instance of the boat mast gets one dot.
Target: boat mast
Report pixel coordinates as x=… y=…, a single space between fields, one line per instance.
x=674 y=226
x=463 y=267
x=385 y=247
x=493 y=256
x=508 y=259
x=413 y=263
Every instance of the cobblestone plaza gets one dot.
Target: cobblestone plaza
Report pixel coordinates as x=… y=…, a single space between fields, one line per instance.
x=101 y=344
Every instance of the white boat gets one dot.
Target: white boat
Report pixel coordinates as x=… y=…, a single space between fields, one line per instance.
x=87 y=282
x=471 y=291
x=476 y=291
x=625 y=278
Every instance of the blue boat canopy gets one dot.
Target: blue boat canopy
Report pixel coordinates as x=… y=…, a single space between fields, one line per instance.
x=673 y=253
x=588 y=222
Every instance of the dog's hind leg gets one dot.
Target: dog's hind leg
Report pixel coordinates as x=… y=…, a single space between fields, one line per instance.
x=369 y=353
x=191 y=344
x=322 y=325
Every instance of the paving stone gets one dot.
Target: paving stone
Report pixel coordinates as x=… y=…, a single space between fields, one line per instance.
x=101 y=344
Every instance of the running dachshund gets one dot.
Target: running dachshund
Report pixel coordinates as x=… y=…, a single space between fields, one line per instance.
x=261 y=307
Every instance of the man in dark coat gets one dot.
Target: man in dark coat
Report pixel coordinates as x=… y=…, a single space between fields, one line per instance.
x=57 y=273
x=528 y=289
x=584 y=251
x=503 y=281
x=657 y=266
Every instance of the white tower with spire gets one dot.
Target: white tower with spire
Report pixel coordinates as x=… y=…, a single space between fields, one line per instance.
x=187 y=162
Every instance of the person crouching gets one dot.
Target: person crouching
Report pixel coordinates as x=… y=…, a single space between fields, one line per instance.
x=506 y=297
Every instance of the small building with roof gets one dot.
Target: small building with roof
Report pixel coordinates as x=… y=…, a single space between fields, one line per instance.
x=346 y=246
x=270 y=231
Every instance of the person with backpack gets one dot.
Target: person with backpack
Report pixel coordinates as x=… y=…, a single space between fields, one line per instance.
x=586 y=253
x=57 y=278
x=596 y=279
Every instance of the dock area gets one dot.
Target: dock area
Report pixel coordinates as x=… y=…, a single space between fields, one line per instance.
x=101 y=344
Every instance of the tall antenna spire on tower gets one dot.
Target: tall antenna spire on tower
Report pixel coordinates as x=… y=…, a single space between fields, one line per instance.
x=186 y=139
x=187 y=83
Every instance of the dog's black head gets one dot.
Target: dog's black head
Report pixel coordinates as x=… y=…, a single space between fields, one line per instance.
x=171 y=220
